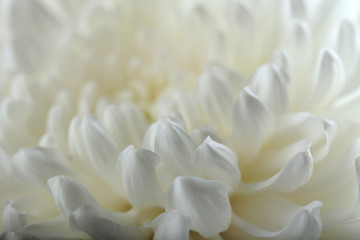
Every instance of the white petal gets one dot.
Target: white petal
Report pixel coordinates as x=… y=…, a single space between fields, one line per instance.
x=189 y=108
x=218 y=162
x=205 y=202
x=87 y=219
x=76 y=144
x=293 y=175
x=12 y=219
x=299 y=44
x=305 y=225
x=270 y=84
x=329 y=79
x=69 y=194
x=251 y=118
x=28 y=41
x=114 y=121
x=215 y=94
x=175 y=147
x=139 y=177
x=54 y=229
x=136 y=122
x=58 y=123
x=101 y=149
x=347 y=44
x=171 y=225
x=38 y=164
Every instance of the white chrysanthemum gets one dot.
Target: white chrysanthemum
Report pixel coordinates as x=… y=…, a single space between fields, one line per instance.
x=139 y=119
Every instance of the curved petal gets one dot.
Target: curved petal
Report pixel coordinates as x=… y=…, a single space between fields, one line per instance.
x=204 y=202
x=87 y=219
x=174 y=147
x=270 y=84
x=215 y=94
x=293 y=175
x=306 y=224
x=329 y=80
x=139 y=177
x=70 y=195
x=217 y=162
x=171 y=225
x=136 y=122
x=55 y=229
x=250 y=121
x=38 y=164
x=12 y=219
x=114 y=122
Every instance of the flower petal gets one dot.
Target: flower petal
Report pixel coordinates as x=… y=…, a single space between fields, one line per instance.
x=293 y=175
x=171 y=225
x=204 y=202
x=54 y=229
x=218 y=162
x=347 y=45
x=38 y=164
x=136 y=122
x=175 y=147
x=251 y=118
x=100 y=148
x=215 y=94
x=270 y=84
x=305 y=225
x=69 y=195
x=114 y=122
x=139 y=177
x=12 y=219
x=87 y=219
x=329 y=80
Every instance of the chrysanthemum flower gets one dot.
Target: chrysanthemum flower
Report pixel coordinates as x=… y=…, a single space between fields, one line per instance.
x=140 y=119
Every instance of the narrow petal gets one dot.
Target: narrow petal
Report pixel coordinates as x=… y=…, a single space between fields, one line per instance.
x=347 y=45
x=139 y=177
x=38 y=164
x=293 y=175
x=101 y=149
x=217 y=162
x=136 y=122
x=54 y=229
x=58 y=123
x=114 y=122
x=329 y=79
x=204 y=202
x=171 y=225
x=215 y=94
x=250 y=121
x=270 y=84
x=189 y=108
x=306 y=224
x=87 y=219
x=175 y=147
x=69 y=194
